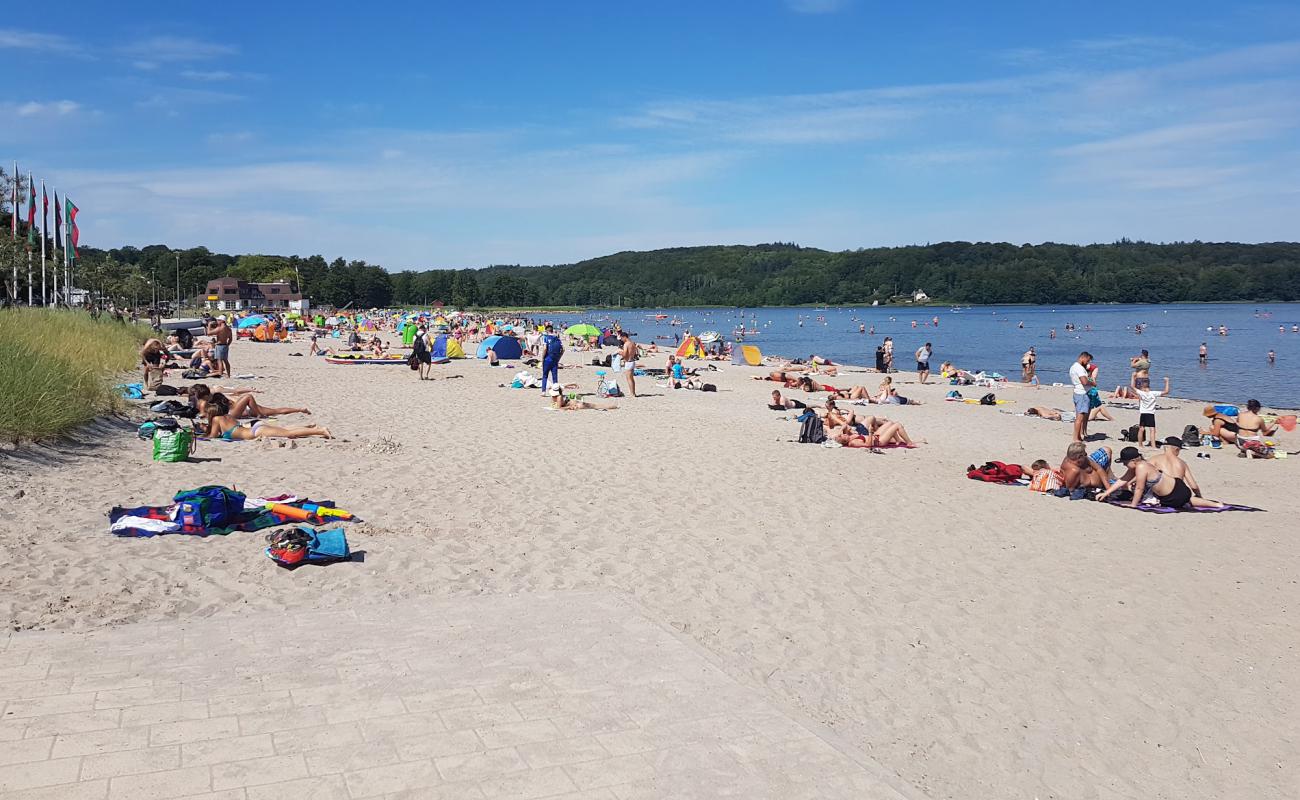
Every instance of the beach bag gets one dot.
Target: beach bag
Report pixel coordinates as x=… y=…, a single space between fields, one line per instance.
x=708 y=387
x=811 y=429
x=303 y=545
x=1191 y=436
x=989 y=399
x=1129 y=434
x=554 y=347
x=153 y=378
x=1045 y=480
x=163 y=390
x=413 y=361
x=209 y=507
x=174 y=445
x=194 y=375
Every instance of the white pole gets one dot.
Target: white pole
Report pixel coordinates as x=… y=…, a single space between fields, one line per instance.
x=45 y=221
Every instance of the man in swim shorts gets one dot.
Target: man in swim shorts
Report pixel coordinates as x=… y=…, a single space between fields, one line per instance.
x=627 y=352
x=222 y=336
x=1082 y=381
x=923 y=362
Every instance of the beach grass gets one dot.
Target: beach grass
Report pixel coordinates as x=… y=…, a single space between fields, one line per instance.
x=58 y=370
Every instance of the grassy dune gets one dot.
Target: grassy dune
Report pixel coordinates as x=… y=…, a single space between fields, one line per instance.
x=58 y=370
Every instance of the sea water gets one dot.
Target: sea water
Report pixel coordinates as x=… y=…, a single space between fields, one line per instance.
x=993 y=339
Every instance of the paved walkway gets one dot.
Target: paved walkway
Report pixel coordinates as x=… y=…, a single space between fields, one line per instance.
x=574 y=695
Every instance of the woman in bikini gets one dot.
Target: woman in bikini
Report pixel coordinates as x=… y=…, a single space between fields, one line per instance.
x=1144 y=478
x=221 y=425
x=562 y=402
x=889 y=434
x=243 y=407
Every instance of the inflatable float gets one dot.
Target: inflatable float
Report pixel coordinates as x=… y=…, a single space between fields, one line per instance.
x=365 y=358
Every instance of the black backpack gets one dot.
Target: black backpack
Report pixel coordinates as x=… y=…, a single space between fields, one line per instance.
x=811 y=431
x=989 y=400
x=708 y=387
x=1191 y=436
x=1129 y=434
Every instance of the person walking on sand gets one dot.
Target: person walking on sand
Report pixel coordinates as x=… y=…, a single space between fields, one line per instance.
x=1027 y=365
x=423 y=352
x=627 y=352
x=923 y=362
x=222 y=336
x=1082 y=380
x=552 y=350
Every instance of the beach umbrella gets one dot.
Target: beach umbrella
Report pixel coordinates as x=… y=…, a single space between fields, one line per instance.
x=582 y=329
x=709 y=337
x=250 y=322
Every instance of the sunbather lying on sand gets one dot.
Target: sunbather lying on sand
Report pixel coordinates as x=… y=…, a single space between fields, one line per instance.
x=221 y=425
x=244 y=406
x=890 y=433
x=780 y=403
x=562 y=402
x=1056 y=415
x=889 y=395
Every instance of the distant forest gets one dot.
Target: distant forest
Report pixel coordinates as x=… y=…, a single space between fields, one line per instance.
x=768 y=274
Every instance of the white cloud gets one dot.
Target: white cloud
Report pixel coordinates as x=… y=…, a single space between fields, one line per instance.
x=12 y=39
x=54 y=108
x=174 y=49
x=207 y=75
x=817 y=6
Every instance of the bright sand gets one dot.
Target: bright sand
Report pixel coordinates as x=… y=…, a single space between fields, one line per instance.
x=981 y=641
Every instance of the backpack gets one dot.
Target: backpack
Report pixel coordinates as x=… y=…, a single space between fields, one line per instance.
x=194 y=374
x=811 y=430
x=554 y=347
x=172 y=445
x=989 y=399
x=995 y=472
x=708 y=387
x=413 y=360
x=163 y=390
x=209 y=507
x=1129 y=434
x=1191 y=436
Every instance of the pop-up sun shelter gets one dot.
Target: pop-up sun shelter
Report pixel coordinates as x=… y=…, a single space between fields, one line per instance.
x=690 y=348
x=506 y=347
x=446 y=347
x=746 y=354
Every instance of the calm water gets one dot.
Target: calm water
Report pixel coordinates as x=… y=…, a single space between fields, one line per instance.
x=987 y=337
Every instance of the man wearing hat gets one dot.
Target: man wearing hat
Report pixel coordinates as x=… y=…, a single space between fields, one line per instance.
x=1165 y=478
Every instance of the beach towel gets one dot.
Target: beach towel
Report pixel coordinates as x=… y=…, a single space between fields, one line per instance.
x=250 y=514
x=303 y=545
x=1159 y=509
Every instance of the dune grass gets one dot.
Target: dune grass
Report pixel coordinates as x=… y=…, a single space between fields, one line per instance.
x=58 y=370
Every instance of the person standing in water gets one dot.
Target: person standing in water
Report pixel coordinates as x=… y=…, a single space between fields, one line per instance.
x=1028 y=364
x=1203 y=355
x=1272 y=358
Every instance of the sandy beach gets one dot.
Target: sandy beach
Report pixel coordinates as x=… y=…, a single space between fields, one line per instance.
x=976 y=640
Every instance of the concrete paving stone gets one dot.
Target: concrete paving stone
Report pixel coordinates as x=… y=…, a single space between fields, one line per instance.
x=22 y=690
x=392 y=778
x=84 y=790
x=12 y=731
x=84 y=666
x=113 y=680
x=350 y=758
x=514 y=733
x=351 y=711
x=571 y=725
x=444 y=791
x=228 y=794
x=384 y=728
x=73 y=722
x=510 y=691
x=528 y=784
x=25 y=750
x=139 y=695
x=35 y=774
x=216 y=751
x=158 y=713
x=442 y=699
x=325 y=787
x=438 y=744
x=222 y=687
x=160 y=785
x=300 y=740
x=286 y=720
x=479 y=716
x=610 y=771
x=130 y=762
x=256 y=771
x=482 y=765
x=562 y=751
x=47 y=706
x=194 y=730
x=249 y=703
x=109 y=740
x=24 y=672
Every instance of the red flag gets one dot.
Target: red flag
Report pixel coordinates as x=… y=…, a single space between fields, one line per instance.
x=74 y=233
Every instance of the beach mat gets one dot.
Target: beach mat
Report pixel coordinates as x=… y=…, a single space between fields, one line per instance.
x=1158 y=509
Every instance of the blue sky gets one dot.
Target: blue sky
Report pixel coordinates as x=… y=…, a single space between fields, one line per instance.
x=435 y=134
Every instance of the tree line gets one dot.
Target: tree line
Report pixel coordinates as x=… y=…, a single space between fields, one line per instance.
x=769 y=274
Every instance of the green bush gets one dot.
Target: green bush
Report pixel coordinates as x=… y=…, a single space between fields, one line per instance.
x=58 y=370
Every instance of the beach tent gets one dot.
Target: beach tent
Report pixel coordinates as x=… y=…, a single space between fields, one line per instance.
x=409 y=329
x=249 y=322
x=746 y=354
x=690 y=348
x=446 y=347
x=506 y=347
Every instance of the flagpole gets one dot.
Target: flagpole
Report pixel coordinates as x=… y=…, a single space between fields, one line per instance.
x=45 y=223
x=13 y=233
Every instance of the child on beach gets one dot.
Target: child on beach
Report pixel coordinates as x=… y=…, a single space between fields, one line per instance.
x=1147 y=413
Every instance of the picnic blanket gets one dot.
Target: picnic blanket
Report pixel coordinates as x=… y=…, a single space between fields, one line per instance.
x=142 y=521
